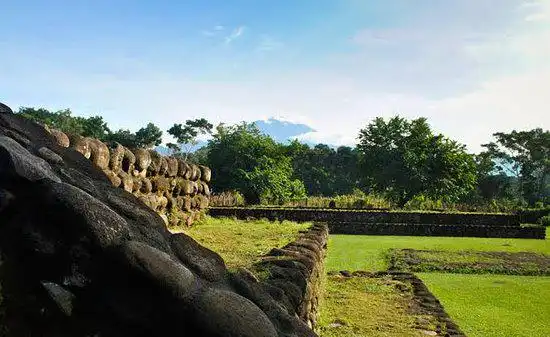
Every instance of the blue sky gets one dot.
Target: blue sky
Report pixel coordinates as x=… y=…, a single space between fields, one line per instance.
x=473 y=67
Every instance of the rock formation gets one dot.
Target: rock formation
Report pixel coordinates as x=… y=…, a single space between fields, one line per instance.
x=80 y=257
x=177 y=190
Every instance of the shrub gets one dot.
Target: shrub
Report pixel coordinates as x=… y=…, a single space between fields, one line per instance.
x=545 y=220
x=227 y=198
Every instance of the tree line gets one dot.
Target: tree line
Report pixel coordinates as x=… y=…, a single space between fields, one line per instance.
x=402 y=160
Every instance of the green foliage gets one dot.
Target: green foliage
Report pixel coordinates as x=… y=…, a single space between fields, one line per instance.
x=94 y=127
x=124 y=137
x=186 y=134
x=324 y=170
x=356 y=200
x=252 y=163
x=271 y=181
x=64 y=120
x=227 y=198
x=146 y=137
x=404 y=158
x=525 y=155
x=545 y=220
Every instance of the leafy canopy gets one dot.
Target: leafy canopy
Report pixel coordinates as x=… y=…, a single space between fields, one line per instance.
x=403 y=158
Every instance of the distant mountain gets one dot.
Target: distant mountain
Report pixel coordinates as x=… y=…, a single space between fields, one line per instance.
x=281 y=131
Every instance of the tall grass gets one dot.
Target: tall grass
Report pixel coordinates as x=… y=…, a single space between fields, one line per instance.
x=360 y=200
x=228 y=198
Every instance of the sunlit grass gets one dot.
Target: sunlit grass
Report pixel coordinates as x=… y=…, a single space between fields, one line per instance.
x=361 y=252
x=359 y=306
x=494 y=305
x=240 y=242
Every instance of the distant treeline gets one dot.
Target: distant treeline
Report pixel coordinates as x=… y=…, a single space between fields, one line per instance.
x=401 y=162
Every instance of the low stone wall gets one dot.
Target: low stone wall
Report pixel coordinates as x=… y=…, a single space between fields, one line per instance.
x=531 y=232
x=175 y=189
x=532 y=215
x=367 y=216
x=295 y=273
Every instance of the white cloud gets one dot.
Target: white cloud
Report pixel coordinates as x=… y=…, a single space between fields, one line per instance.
x=484 y=81
x=235 y=34
x=268 y=43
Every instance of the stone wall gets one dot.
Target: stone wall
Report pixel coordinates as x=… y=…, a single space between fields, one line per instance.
x=295 y=273
x=175 y=189
x=528 y=232
x=82 y=258
x=367 y=216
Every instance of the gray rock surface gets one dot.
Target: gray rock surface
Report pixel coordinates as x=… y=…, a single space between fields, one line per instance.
x=83 y=258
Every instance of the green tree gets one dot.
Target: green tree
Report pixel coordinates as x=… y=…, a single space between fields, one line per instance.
x=270 y=182
x=61 y=120
x=242 y=159
x=148 y=136
x=404 y=158
x=94 y=127
x=186 y=135
x=525 y=155
x=124 y=137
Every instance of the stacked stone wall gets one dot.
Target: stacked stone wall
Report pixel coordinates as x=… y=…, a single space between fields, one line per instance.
x=175 y=189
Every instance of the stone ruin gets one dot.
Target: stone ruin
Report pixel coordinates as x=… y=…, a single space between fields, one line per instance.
x=80 y=257
x=175 y=189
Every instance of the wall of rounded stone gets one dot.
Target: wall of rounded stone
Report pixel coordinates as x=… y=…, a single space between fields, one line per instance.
x=178 y=191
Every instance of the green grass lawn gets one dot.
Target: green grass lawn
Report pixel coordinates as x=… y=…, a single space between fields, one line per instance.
x=494 y=305
x=360 y=252
x=240 y=242
x=360 y=306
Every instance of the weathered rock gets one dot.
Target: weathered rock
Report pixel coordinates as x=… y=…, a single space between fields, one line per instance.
x=154 y=166
x=206 y=173
x=117 y=155
x=61 y=138
x=127 y=183
x=99 y=153
x=49 y=155
x=81 y=145
x=201 y=260
x=83 y=258
x=143 y=160
x=16 y=160
x=128 y=161
x=172 y=166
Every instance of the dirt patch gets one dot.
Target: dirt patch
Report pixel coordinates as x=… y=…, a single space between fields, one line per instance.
x=470 y=262
x=428 y=317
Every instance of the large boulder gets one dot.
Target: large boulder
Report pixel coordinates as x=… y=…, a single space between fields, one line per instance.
x=80 y=257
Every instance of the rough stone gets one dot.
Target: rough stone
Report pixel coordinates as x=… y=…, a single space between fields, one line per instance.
x=82 y=258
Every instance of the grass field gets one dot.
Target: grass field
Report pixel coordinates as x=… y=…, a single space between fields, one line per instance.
x=356 y=307
x=482 y=305
x=358 y=252
x=494 y=305
x=240 y=243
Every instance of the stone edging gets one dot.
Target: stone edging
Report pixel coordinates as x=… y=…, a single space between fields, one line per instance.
x=294 y=273
x=427 y=302
x=366 y=216
x=487 y=231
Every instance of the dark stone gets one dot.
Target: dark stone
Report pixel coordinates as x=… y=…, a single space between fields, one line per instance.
x=83 y=258
x=4 y=109
x=201 y=260
x=16 y=160
x=62 y=297
x=218 y=321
